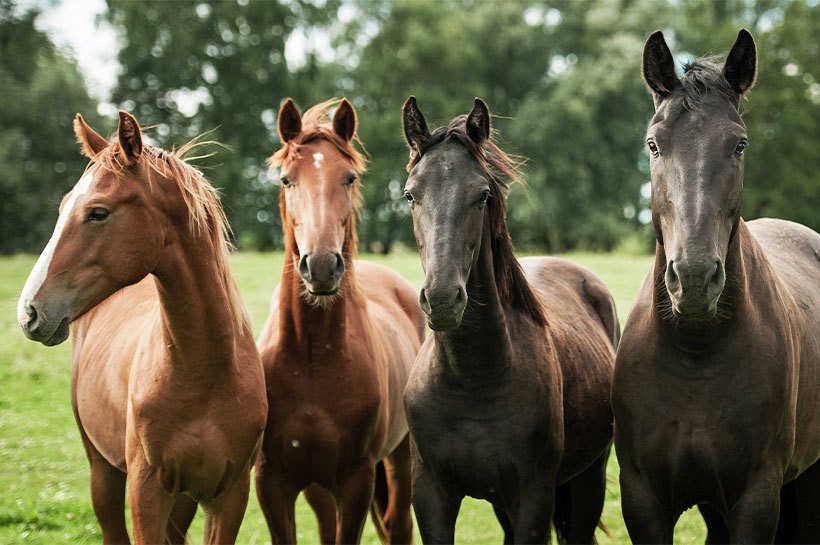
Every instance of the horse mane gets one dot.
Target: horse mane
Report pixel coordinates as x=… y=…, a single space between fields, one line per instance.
x=205 y=213
x=702 y=76
x=502 y=170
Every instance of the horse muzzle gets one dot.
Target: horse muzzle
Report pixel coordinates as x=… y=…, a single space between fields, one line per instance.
x=694 y=287
x=322 y=273
x=38 y=328
x=444 y=306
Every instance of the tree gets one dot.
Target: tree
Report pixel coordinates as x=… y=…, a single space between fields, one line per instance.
x=190 y=67
x=42 y=90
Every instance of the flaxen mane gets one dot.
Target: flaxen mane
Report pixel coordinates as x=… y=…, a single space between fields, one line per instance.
x=502 y=170
x=205 y=213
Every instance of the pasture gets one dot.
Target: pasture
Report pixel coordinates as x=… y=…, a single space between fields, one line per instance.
x=43 y=470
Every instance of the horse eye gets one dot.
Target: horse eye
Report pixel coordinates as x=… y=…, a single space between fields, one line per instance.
x=741 y=146
x=97 y=214
x=408 y=196
x=484 y=197
x=284 y=180
x=351 y=179
x=653 y=147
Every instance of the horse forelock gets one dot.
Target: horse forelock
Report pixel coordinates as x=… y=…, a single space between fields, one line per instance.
x=703 y=77
x=502 y=170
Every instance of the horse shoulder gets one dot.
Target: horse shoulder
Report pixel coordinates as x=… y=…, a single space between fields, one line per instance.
x=107 y=342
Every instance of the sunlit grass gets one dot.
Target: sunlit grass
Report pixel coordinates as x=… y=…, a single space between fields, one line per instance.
x=43 y=470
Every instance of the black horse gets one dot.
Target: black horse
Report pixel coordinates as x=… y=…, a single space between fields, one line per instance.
x=508 y=399
x=717 y=381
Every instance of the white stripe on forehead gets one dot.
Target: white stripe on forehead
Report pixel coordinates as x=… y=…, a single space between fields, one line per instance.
x=40 y=270
x=317 y=160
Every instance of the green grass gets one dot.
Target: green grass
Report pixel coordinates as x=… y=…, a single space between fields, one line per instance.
x=44 y=495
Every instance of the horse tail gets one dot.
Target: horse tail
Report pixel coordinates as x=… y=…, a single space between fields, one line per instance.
x=379 y=506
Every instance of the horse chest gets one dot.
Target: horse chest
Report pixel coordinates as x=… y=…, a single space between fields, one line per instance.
x=478 y=445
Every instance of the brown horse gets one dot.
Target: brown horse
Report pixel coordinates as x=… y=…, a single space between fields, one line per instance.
x=337 y=348
x=167 y=383
x=717 y=381
x=508 y=400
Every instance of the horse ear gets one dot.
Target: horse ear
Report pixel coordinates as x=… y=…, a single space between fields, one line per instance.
x=289 y=121
x=129 y=137
x=415 y=127
x=478 y=122
x=90 y=141
x=659 y=66
x=740 y=69
x=344 y=120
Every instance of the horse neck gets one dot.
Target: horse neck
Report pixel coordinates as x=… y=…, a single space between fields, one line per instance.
x=480 y=347
x=199 y=323
x=303 y=325
x=743 y=264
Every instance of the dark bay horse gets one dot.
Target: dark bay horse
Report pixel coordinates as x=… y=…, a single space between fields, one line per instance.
x=717 y=382
x=508 y=400
x=167 y=382
x=337 y=348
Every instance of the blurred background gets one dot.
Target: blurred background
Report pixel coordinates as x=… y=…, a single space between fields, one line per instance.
x=564 y=77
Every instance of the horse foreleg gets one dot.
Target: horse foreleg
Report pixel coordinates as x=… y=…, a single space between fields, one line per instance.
x=397 y=518
x=353 y=499
x=754 y=517
x=534 y=510
x=277 y=500
x=506 y=525
x=150 y=504
x=716 y=529
x=108 y=497
x=436 y=510
x=324 y=506
x=807 y=504
x=223 y=514
x=181 y=516
x=646 y=520
x=587 y=492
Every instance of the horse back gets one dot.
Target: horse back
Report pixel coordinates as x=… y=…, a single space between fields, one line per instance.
x=793 y=252
x=105 y=342
x=583 y=325
x=397 y=324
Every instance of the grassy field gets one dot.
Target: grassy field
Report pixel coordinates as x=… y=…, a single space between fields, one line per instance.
x=43 y=470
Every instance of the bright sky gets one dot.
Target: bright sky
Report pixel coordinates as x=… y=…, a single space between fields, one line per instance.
x=79 y=28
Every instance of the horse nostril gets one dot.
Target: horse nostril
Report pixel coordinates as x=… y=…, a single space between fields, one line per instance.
x=716 y=275
x=304 y=270
x=31 y=312
x=340 y=267
x=423 y=302
x=461 y=295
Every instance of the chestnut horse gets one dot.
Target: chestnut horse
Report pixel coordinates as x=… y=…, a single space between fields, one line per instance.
x=717 y=381
x=167 y=383
x=337 y=348
x=508 y=400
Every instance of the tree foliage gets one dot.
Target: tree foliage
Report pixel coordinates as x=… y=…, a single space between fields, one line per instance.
x=39 y=159
x=563 y=77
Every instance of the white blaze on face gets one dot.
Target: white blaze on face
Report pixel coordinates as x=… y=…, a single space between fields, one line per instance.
x=38 y=274
x=317 y=160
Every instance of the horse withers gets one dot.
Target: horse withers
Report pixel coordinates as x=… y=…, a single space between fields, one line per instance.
x=508 y=400
x=717 y=381
x=167 y=383
x=337 y=348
